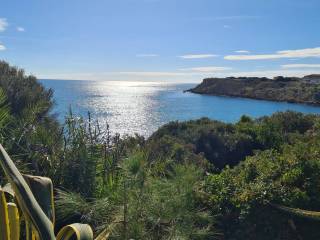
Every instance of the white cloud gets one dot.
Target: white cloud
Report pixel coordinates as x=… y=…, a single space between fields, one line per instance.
x=2 y=47
x=286 y=66
x=3 y=24
x=198 y=56
x=299 y=53
x=242 y=51
x=167 y=76
x=270 y=73
x=174 y=76
x=147 y=55
x=127 y=76
x=20 y=29
x=211 y=69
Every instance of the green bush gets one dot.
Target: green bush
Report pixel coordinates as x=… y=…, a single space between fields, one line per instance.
x=241 y=195
x=227 y=144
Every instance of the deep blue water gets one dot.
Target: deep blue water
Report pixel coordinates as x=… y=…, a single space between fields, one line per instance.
x=141 y=107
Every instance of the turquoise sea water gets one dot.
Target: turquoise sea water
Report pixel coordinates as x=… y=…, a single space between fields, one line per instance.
x=142 y=107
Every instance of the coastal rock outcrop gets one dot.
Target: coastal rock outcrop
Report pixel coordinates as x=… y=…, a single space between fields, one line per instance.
x=288 y=89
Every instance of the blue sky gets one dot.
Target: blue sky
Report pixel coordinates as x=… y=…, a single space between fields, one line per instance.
x=161 y=40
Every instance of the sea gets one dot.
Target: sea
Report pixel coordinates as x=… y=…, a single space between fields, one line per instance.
x=142 y=107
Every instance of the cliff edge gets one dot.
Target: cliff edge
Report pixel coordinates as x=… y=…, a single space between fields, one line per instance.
x=285 y=89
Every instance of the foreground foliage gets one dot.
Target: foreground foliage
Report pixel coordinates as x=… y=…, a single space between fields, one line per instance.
x=35 y=201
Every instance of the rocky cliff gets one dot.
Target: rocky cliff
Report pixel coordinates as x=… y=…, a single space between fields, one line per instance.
x=288 y=89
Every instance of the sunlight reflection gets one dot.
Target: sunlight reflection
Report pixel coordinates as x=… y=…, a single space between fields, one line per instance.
x=127 y=106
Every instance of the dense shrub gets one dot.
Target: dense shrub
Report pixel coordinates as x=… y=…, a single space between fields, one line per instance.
x=23 y=91
x=32 y=135
x=227 y=144
x=241 y=195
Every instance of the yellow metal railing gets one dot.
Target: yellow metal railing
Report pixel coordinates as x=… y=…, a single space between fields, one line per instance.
x=30 y=199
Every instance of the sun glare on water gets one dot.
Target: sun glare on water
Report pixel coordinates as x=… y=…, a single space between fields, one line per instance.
x=127 y=106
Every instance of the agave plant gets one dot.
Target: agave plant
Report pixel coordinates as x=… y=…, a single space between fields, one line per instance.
x=34 y=199
x=313 y=215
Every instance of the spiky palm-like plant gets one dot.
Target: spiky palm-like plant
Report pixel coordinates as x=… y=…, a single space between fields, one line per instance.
x=34 y=196
x=312 y=215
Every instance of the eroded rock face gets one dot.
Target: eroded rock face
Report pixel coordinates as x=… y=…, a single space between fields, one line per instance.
x=288 y=89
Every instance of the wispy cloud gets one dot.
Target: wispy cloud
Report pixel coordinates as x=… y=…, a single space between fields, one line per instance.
x=299 y=53
x=174 y=76
x=202 y=72
x=210 y=69
x=272 y=73
x=3 y=24
x=20 y=29
x=198 y=56
x=2 y=47
x=147 y=55
x=242 y=51
x=286 y=66
x=128 y=76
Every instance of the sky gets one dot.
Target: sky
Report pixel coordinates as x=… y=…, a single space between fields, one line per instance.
x=160 y=40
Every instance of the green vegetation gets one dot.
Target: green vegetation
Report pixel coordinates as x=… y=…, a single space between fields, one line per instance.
x=200 y=179
x=227 y=144
x=30 y=134
x=287 y=89
x=28 y=201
